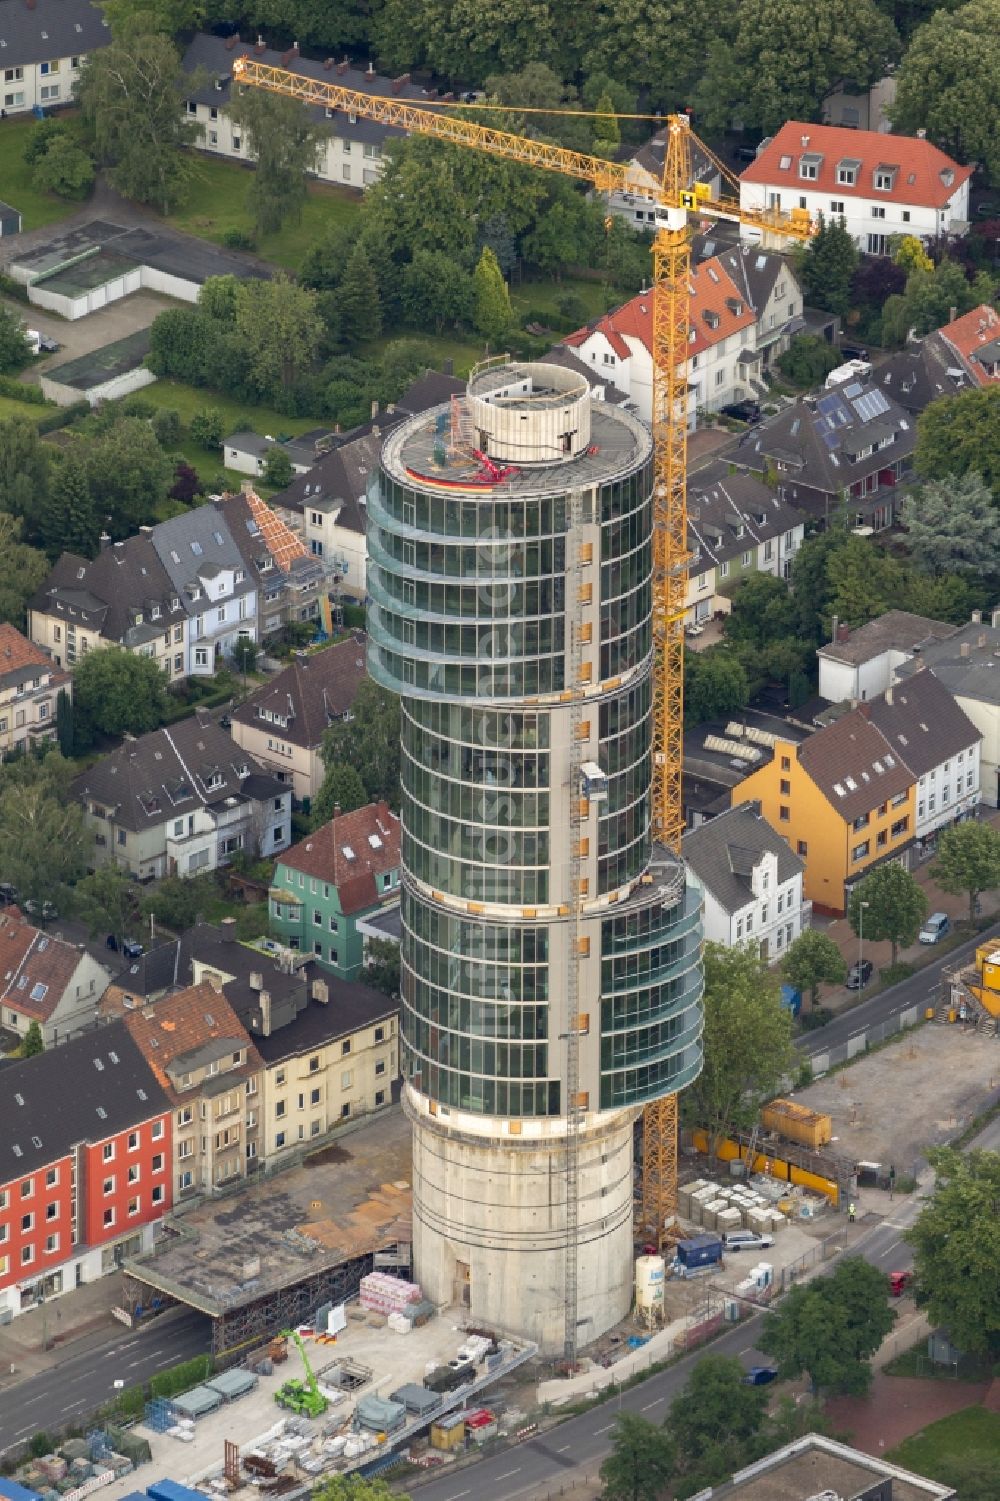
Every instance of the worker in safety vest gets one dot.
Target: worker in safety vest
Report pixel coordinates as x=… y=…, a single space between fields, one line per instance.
x=850 y=1211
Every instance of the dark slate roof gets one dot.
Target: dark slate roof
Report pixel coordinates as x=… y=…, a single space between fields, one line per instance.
x=165 y=774
x=156 y=970
x=350 y=1008
x=564 y=356
x=922 y=721
x=309 y=694
x=968 y=662
x=195 y=546
x=50 y=29
x=651 y=156
x=107 y=593
x=917 y=375
x=735 y=514
x=756 y=272
x=853 y=765
x=723 y=852
x=82 y=1091
x=216 y=55
x=816 y=442
x=895 y=630
x=213 y=946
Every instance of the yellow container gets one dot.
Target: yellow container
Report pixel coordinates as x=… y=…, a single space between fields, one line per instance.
x=929 y=1014
x=448 y=1434
x=797 y=1123
x=953 y=1016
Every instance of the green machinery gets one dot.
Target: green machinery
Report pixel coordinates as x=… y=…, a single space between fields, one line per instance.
x=303 y=1397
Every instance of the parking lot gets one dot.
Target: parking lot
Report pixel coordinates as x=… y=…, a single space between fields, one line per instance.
x=85 y=334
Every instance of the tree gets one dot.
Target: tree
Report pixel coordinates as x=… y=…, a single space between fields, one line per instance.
x=959 y=433
x=941 y=90
x=358 y=305
x=278 y=469
x=278 y=324
x=829 y=1328
x=178 y=901
x=42 y=840
x=128 y=473
x=929 y=297
x=108 y=902
x=763 y=612
x=207 y=428
x=747 y=1042
x=641 y=1463
x=15 y=351
x=166 y=425
x=354 y=1488
x=24 y=466
x=116 y=691
x=808 y=360
x=825 y=268
x=66 y=518
x=285 y=144
x=714 y=1424
x=382 y=969
x=491 y=310
x=245 y=655
x=909 y=254
x=33 y=1043
x=342 y=788
x=435 y=291
x=861 y=582
x=607 y=132
x=814 y=960
x=952 y=523
x=64 y=722
x=65 y=169
x=369 y=741
x=896 y=907
x=186 y=484
x=130 y=93
x=956 y=1242
x=715 y=684
x=166 y=16
x=22 y=570
x=968 y=861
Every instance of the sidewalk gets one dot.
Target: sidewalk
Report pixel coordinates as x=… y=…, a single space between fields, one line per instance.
x=37 y=1341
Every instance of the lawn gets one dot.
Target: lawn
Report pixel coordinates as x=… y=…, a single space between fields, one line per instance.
x=190 y=399
x=216 y=202
x=536 y=295
x=972 y=1434
x=10 y=407
x=37 y=208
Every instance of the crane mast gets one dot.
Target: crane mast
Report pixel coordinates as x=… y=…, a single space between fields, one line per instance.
x=674 y=200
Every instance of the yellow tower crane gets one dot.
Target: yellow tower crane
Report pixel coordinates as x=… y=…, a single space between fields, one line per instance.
x=675 y=198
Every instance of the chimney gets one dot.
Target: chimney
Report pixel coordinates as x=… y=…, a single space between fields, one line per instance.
x=843 y=632
x=260 y=45
x=982 y=639
x=216 y=983
x=321 y=992
x=105 y=541
x=145 y=531
x=921 y=133
x=370 y=70
x=336 y=810
x=343 y=66
x=865 y=710
x=228 y=926
x=805 y=142
x=995 y=618
x=256 y=980
x=265 y=1013
x=888 y=697
x=977 y=617
x=327 y=64
x=374 y=409
x=399 y=84
x=952 y=314
x=755 y=807
x=835 y=624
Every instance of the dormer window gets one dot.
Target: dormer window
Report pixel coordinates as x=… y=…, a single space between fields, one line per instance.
x=809 y=166
x=847 y=173
x=885 y=178
x=155 y=612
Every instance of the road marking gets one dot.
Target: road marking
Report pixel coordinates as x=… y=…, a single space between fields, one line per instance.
x=888 y=1250
x=32 y=1400
x=133 y=1363
x=655 y=1403
x=82 y=1403
x=458 y=1495
x=746 y=1350
x=606 y=1429
x=505 y=1476
x=563 y=1449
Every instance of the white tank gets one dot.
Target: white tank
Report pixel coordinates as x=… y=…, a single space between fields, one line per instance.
x=650 y=1272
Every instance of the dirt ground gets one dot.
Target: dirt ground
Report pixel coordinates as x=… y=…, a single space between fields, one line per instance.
x=890 y=1106
x=85 y=334
x=897 y=1407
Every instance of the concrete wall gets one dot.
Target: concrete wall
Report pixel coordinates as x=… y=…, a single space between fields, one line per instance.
x=489 y=1220
x=109 y=390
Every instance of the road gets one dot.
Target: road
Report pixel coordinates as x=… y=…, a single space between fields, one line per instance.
x=81 y=1382
x=919 y=990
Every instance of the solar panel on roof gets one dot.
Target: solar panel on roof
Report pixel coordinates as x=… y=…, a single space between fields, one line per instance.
x=826 y=404
x=870 y=405
x=830 y=439
x=854 y=389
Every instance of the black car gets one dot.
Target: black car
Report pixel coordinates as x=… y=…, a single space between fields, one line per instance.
x=47 y=344
x=8 y=894
x=853 y=352
x=49 y=913
x=128 y=946
x=746 y=411
x=859 y=974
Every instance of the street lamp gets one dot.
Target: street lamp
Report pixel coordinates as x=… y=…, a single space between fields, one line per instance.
x=862 y=909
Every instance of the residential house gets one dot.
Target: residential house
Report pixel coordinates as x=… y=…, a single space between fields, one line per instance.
x=967 y=662
x=291 y=582
x=29 y=688
x=247 y=452
x=879 y=185
x=735 y=527
x=719 y=756
x=866 y=109
x=850 y=446
x=43 y=979
x=861 y=664
x=209 y=1069
x=330 y=1048
x=123 y=597
x=843 y=799
x=352 y=152
x=744 y=307
x=43 y=44
x=939 y=743
x=636 y=206
x=971 y=345
x=750 y=881
x=324 y=885
x=283 y=723
x=85 y=1142
x=182 y=799
x=208 y=573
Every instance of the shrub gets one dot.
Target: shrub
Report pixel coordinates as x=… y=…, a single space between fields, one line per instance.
x=39 y=1445
x=819 y=1016
x=355 y=617
x=207 y=428
x=239 y=239
x=20 y=390
x=180 y=1378
x=893 y=973
x=167 y=427
x=137 y=406
x=63 y=417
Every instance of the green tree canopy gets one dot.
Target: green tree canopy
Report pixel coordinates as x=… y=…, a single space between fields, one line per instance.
x=715 y=684
x=808 y=360
x=42 y=840
x=130 y=93
x=814 y=960
x=950 y=67
x=763 y=612
x=827 y=265
x=953 y=523
x=640 y=1466
x=66 y=518
x=356 y=1488
x=747 y=1041
x=968 y=861
x=15 y=351
x=108 y=902
x=956 y=1246
x=436 y=291
x=369 y=741
x=829 y=1328
x=492 y=314
x=22 y=570
x=342 y=787
x=128 y=473
x=959 y=433
x=115 y=691
x=359 y=307
x=382 y=969
x=279 y=325
x=65 y=169
x=285 y=144
x=24 y=466
x=928 y=298
x=715 y=1424
x=33 y=1043
x=896 y=907
x=278 y=468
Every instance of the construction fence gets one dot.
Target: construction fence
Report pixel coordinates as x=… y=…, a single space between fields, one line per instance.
x=867 y=1037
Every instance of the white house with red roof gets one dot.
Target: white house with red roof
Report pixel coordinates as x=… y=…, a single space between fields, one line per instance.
x=880 y=185
x=744 y=305
x=972 y=343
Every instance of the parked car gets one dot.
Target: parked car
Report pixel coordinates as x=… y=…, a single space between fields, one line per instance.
x=935 y=928
x=49 y=913
x=899 y=1282
x=8 y=894
x=853 y=352
x=746 y=411
x=47 y=344
x=759 y=1375
x=128 y=946
x=746 y=1240
x=859 y=974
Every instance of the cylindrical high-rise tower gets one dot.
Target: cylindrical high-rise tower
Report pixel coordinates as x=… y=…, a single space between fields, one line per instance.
x=510 y=574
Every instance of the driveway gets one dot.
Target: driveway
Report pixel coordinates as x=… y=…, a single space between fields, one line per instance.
x=86 y=334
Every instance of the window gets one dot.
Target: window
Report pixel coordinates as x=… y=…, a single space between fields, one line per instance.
x=279 y=1109
x=786 y=788
x=882 y=839
x=379 y=1034
x=279 y=1140
x=52 y=1211
x=133 y=1207
x=345 y=1047
x=900 y=827
x=158 y=1194
x=279 y=1077
x=345 y=1111
x=314 y=1064
x=878 y=210
x=380 y=1063
x=720 y=377
x=346 y=1079
x=847 y=173
x=133 y=1142
x=749 y=922
x=802 y=848
x=109 y=1151
x=27 y=1188
x=884 y=178
x=786 y=763
x=739 y=929
x=861 y=823
x=380 y=1097
x=27 y=1255
x=878 y=244
x=836 y=206
x=317 y=918
x=861 y=850
x=157 y=1131
x=133 y=1173
x=185 y=1180
x=781 y=902
x=109 y=1218
x=314 y=1095
x=27 y=1223
x=784 y=813
x=109 y=1186
x=122 y=836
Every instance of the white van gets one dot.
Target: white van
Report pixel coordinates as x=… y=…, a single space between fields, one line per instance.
x=746 y=1240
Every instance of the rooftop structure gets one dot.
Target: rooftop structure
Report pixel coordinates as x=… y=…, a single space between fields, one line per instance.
x=817 y=1467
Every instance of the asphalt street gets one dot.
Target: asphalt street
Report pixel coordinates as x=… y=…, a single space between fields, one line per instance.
x=82 y=1382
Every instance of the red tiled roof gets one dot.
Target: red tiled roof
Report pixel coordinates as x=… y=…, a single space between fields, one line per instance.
x=325 y=854
x=924 y=175
x=35 y=968
x=17 y=652
x=970 y=333
x=185 y=1022
x=279 y=539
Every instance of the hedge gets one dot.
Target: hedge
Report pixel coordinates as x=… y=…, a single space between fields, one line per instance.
x=63 y=416
x=20 y=390
x=180 y=1378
